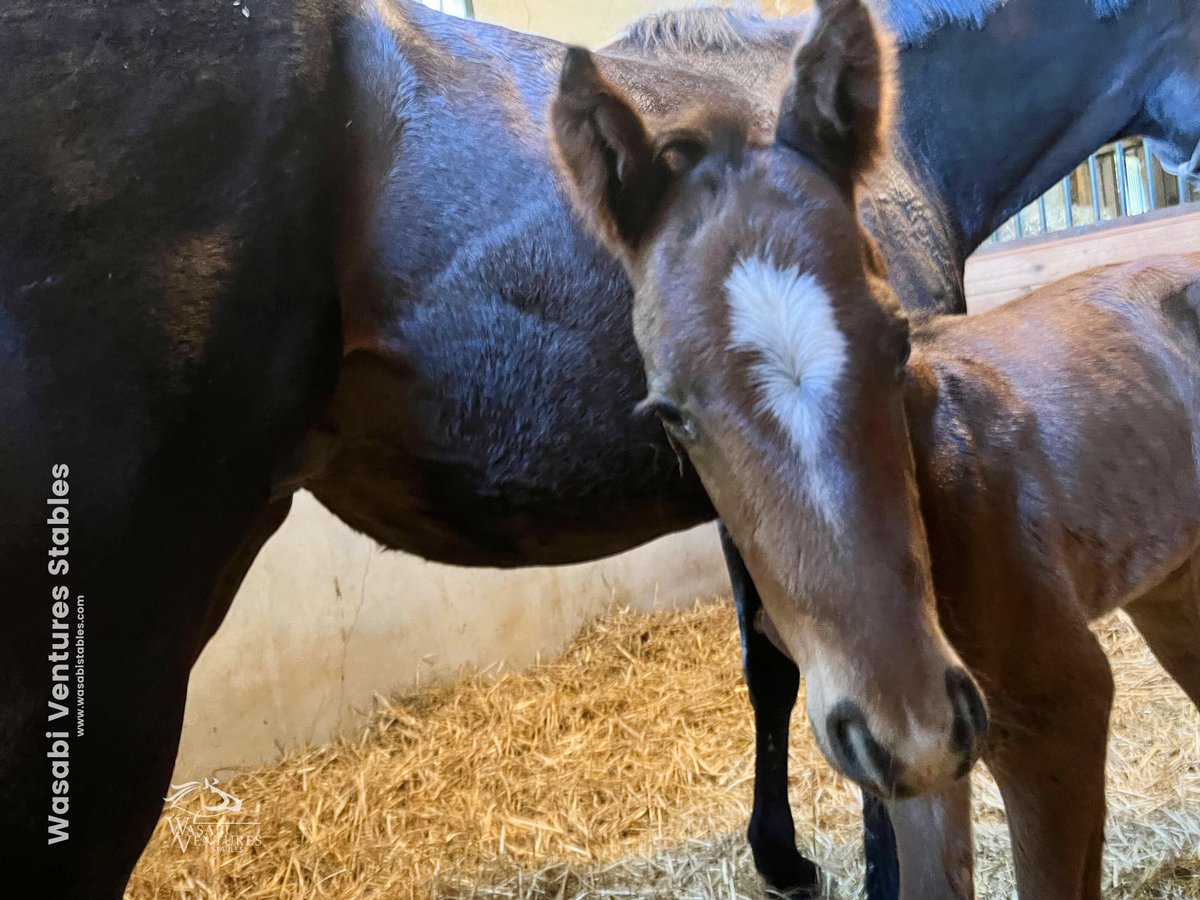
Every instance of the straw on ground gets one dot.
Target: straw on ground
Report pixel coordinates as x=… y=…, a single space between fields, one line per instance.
x=623 y=769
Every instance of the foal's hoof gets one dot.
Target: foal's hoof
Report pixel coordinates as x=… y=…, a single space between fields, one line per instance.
x=791 y=876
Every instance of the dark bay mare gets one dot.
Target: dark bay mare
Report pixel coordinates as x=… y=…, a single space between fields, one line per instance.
x=910 y=495
x=326 y=244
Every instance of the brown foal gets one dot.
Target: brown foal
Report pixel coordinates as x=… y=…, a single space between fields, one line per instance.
x=1024 y=472
x=711 y=211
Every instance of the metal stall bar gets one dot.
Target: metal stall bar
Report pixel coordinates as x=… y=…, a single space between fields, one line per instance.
x=1094 y=175
x=1148 y=160
x=1122 y=178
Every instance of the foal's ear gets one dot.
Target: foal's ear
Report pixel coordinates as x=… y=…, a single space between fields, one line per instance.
x=607 y=152
x=837 y=109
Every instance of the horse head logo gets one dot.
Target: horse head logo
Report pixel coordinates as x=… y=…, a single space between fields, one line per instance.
x=203 y=800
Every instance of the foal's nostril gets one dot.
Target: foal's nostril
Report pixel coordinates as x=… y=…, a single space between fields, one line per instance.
x=970 y=716
x=860 y=756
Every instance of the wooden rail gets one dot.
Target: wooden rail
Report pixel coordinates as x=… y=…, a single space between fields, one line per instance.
x=1003 y=272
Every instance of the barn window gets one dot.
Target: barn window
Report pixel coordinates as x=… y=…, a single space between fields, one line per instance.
x=463 y=8
x=1121 y=179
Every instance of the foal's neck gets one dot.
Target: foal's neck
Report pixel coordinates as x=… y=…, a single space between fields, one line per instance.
x=989 y=144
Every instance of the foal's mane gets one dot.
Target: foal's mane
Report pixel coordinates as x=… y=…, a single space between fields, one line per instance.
x=699 y=29
x=720 y=29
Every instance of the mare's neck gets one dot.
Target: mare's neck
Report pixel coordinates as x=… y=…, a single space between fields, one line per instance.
x=995 y=117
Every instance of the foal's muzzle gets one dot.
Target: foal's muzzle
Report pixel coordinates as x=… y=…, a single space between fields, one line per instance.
x=969 y=732
x=857 y=753
x=861 y=756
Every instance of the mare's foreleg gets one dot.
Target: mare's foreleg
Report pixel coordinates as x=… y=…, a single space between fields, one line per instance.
x=879 y=851
x=773 y=681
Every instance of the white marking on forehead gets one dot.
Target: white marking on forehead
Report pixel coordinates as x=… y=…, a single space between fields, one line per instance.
x=785 y=317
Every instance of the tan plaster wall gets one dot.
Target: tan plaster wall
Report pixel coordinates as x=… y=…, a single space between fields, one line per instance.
x=326 y=620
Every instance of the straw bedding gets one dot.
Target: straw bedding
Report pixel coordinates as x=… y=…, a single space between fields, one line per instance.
x=622 y=769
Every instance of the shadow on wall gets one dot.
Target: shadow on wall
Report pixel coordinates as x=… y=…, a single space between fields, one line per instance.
x=326 y=620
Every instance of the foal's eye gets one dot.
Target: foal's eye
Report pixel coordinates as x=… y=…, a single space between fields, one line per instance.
x=674 y=419
x=905 y=353
x=668 y=412
x=681 y=150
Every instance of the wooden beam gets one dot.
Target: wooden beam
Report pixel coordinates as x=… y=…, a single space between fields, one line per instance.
x=1002 y=272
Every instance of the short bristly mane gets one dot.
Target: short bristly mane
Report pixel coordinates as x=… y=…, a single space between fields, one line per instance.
x=914 y=21
x=698 y=29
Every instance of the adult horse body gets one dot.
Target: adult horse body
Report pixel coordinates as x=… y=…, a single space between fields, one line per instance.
x=190 y=198
x=168 y=327
x=534 y=456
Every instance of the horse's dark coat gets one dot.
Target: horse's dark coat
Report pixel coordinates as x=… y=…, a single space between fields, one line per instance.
x=188 y=197
x=918 y=20
x=466 y=464
x=170 y=323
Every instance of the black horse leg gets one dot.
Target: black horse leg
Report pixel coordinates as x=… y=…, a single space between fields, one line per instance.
x=773 y=681
x=879 y=848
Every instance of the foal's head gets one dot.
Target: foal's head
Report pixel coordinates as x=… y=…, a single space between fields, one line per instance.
x=775 y=353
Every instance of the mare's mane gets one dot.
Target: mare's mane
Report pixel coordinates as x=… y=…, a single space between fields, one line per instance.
x=721 y=29
x=914 y=21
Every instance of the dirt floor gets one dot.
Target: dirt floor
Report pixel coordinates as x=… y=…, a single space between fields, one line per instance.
x=622 y=769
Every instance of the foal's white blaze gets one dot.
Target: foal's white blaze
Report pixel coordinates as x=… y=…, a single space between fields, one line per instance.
x=785 y=317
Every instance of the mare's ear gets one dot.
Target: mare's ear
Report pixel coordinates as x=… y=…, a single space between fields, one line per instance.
x=837 y=109
x=606 y=152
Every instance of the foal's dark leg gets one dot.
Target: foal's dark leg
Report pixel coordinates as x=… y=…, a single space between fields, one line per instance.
x=773 y=681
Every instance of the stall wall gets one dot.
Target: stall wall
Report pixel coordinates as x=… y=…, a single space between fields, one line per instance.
x=326 y=620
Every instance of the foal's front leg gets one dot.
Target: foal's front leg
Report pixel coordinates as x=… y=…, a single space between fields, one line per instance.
x=1047 y=753
x=933 y=839
x=773 y=681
